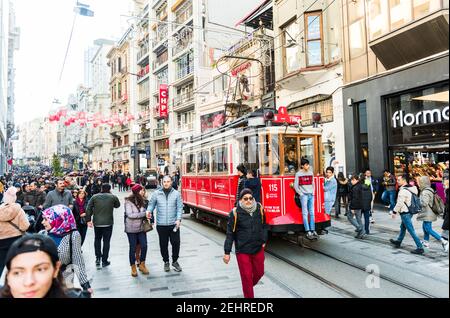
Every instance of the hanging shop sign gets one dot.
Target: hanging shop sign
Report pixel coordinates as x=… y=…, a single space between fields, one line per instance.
x=163 y=101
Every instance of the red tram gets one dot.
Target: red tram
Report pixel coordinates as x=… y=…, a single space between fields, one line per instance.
x=272 y=143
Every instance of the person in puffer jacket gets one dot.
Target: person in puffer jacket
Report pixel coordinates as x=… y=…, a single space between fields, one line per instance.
x=134 y=215
x=427 y=216
x=169 y=206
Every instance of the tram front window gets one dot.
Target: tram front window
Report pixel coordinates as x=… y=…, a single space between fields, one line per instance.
x=203 y=162
x=269 y=155
x=290 y=155
x=307 y=150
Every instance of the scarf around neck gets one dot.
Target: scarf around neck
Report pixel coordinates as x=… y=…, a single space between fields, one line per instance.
x=250 y=210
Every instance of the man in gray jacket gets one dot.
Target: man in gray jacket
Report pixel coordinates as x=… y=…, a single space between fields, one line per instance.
x=59 y=196
x=169 y=206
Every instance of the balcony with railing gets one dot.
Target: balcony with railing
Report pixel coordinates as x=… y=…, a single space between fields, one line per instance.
x=183 y=41
x=160 y=133
x=143 y=73
x=124 y=98
x=160 y=61
x=143 y=136
x=184 y=12
x=162 y=32
x=184 y=66
x=142 y=54
x=144 y=93
x=183 y=100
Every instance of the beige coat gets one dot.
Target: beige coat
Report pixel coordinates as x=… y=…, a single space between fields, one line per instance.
x=426 y=200
x=404 y=199
x=15 y=214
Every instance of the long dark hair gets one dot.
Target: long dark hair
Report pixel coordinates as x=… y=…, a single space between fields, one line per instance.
x=137 y=199
x=57 y=290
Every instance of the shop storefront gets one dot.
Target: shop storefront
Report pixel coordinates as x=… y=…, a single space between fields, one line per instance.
x=418 y=132
x=400 y=121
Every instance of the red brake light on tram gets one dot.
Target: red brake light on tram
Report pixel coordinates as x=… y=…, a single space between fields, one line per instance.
x=270 y=115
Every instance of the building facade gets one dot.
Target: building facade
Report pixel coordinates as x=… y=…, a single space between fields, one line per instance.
x=309 y=69
x=98 y=137
x=185 y=37
x=397 y=90
x=9 y=43
x=122 y=89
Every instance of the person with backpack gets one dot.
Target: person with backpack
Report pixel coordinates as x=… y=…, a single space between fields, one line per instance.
x=408 y=204
x=248 y=230
x=60 y=225
x=430 y=211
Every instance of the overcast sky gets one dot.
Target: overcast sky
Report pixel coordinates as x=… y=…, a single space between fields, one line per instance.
x=45 y=29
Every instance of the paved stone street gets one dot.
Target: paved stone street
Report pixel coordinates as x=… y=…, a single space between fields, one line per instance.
x=204 y=273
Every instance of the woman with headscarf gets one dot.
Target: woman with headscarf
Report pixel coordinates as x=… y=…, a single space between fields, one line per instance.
x=60 y=225
x=13 y=223
x=36 y=258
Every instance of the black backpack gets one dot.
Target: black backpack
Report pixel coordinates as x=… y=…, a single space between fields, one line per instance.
x=416 y=206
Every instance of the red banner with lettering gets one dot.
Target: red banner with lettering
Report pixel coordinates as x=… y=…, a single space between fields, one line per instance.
x=163 y=101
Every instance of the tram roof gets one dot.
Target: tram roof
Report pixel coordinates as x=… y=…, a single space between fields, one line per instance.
x=239 y=132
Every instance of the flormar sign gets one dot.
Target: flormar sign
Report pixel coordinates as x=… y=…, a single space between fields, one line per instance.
x=401 y=118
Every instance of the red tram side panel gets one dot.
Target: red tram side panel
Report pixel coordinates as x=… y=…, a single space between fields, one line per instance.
x=216 y=194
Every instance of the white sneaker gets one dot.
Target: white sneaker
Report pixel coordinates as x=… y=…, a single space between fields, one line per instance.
x=426 y=244
x=372 y=220
x=445 y=246
x=390 y=212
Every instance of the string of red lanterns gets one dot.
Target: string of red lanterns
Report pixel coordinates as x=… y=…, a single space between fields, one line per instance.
x=84 y=118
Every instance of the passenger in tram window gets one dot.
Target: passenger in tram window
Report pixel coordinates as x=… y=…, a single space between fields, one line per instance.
x=304 y=186
x=248 y=230
x=242 y=173
x=254 y=183
x=290 y=163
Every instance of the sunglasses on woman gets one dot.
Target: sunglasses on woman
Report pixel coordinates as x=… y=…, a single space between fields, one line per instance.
x=247 y=198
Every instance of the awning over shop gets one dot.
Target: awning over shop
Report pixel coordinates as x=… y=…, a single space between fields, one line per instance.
x=438 y=97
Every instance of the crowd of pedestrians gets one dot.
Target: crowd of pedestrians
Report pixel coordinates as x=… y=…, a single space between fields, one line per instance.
x=62 y=210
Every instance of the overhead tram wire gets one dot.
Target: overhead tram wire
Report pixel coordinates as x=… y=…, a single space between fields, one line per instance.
x=259 y=49
x=67 y=49
x=236 y=32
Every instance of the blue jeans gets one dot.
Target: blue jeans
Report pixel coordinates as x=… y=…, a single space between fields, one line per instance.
x=354 y=217
x=366 y=214
x=408 y=226
x=391 y=196
x=328 y=207
x=307 y=201
x=428 y=230
x=133 y=240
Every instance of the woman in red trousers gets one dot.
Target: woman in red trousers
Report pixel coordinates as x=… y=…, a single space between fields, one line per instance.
x=247 y=228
